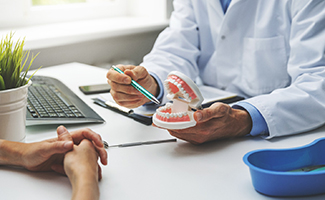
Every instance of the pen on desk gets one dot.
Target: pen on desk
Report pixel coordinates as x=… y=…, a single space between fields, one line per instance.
x=137 y=86
x=106 y=145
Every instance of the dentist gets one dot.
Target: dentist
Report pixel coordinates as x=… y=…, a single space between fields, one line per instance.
x=271 y=52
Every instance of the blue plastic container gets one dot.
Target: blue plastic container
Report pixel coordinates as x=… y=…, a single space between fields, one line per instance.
x=271 y=174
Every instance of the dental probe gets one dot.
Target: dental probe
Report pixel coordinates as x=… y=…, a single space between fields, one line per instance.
x=106 y=145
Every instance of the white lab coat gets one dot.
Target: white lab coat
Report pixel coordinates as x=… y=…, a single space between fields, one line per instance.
x=270 y=51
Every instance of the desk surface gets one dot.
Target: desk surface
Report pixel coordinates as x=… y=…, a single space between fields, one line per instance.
x=161 y=171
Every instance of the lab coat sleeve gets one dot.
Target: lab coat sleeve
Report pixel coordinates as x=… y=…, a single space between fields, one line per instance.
x=259 y=126
x=176 y=48
x=301 y=106
x=161 y=89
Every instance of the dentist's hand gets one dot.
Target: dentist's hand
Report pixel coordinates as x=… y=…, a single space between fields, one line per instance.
x=123 y=92
x=219 y=121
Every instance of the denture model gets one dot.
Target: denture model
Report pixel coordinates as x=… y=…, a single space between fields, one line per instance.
x=185 y=95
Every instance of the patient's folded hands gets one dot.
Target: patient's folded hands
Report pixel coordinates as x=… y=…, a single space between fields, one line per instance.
x=81 y=167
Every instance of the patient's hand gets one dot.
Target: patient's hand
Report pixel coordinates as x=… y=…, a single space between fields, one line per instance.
x=82 y=168
x=48 y=155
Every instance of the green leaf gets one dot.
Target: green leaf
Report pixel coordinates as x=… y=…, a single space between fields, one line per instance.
x=13 y=60
x=2 y=83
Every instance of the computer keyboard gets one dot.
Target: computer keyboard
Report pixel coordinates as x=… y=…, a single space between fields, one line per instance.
x=51 y=102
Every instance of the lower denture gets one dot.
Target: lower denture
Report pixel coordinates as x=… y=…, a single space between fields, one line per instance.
x=172 y=119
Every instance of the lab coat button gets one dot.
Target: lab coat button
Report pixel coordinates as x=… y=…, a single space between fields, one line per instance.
x=223 y=37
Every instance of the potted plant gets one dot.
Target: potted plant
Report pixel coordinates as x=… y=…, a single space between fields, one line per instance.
x=13 y=88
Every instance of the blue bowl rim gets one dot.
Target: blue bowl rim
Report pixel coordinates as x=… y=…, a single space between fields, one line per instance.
x=251 y=166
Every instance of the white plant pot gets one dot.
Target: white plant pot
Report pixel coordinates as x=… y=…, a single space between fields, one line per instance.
x=13 y=113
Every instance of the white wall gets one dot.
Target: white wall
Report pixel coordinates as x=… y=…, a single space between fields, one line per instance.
x=102 y=40
x=110 y=50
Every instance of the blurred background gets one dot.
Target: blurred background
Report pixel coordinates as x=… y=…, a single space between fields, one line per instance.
x=95 y=32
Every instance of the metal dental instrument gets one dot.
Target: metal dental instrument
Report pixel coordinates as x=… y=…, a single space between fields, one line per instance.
x=106 y=145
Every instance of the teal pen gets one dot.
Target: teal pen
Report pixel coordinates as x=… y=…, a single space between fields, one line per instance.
x=137 y=86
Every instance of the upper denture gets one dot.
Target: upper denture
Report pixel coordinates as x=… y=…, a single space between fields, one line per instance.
x=176 y=84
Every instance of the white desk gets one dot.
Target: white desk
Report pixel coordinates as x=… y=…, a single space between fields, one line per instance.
x=161 y=171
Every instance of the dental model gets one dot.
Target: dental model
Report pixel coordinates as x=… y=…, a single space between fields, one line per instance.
x=185 y=95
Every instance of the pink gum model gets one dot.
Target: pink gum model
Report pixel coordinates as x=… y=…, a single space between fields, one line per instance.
x=185 y=95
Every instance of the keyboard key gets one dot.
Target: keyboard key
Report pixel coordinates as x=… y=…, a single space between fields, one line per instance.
x=51 y=102
x=45 y=101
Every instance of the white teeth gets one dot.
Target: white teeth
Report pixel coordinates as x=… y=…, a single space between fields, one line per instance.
x=170 y=115
x=170 y=95
x=169 y=105
x=182 y=89
x=167 y=87
x=166 y=84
